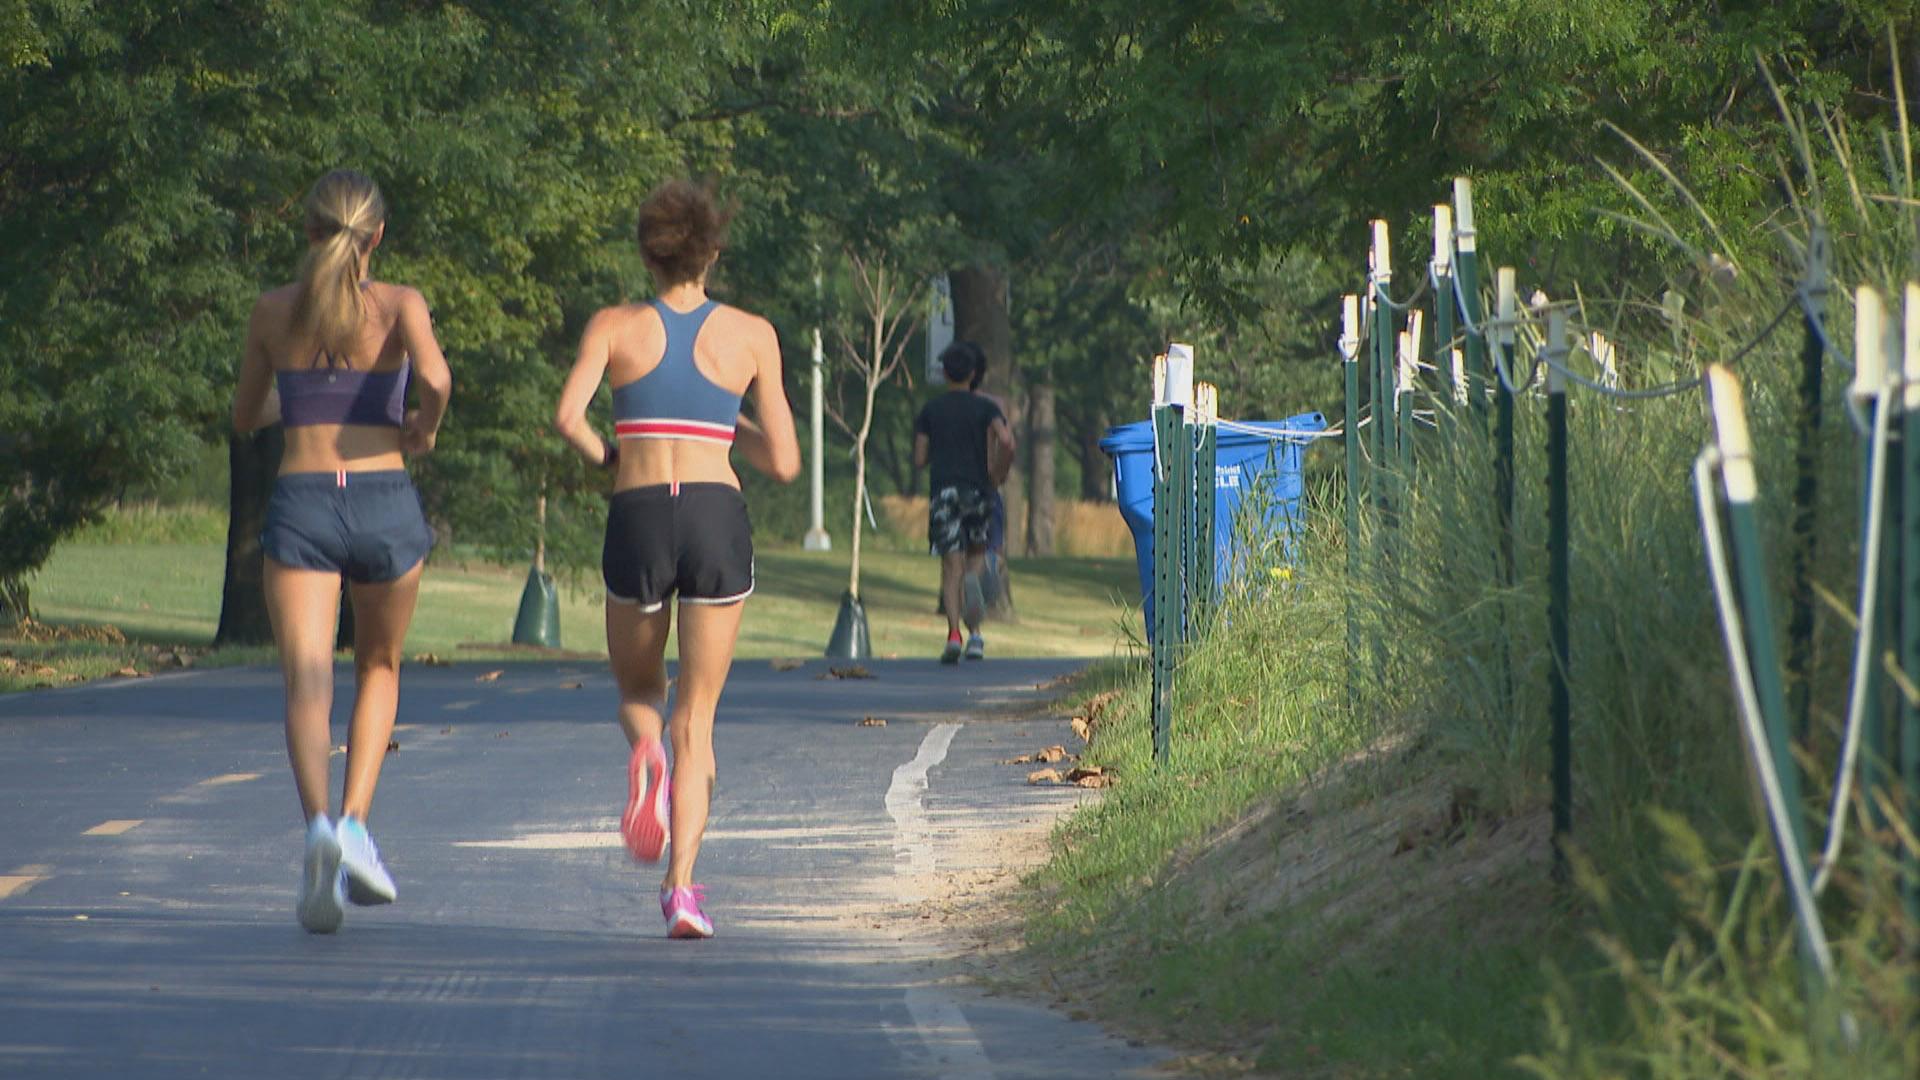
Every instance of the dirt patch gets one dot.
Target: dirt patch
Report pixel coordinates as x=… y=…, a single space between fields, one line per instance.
x=1406 y=858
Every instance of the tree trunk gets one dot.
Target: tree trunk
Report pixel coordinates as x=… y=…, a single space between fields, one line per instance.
x=981 y=315
x=1096 y=471
x=15 y=600
x=1040 y=450
x=252 y=462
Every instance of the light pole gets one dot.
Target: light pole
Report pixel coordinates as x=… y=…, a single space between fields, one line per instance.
x=817 y=538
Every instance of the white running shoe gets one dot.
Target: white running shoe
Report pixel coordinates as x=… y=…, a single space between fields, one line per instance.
x=973 y=605
x=321 y=902
x=976 y=648
x=367 y=879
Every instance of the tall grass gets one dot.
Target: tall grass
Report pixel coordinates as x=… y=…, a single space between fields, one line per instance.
x=1676 y=959
x=1709 y=983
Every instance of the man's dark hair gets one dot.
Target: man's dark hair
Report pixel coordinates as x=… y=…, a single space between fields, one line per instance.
x=960 y=360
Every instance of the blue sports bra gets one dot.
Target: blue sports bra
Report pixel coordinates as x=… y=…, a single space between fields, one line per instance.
x=674 y=400
x=343 y=396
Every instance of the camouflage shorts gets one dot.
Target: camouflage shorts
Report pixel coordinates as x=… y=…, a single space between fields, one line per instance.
x=958 y=519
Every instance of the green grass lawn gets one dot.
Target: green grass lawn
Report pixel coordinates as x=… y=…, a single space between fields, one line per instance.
x=169 y=594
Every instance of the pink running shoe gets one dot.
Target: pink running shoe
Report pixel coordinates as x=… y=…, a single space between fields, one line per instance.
x=681 y=906
x=644 y=825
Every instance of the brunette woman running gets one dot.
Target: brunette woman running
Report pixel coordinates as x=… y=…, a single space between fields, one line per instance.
x=677 y=525
x=329 y=357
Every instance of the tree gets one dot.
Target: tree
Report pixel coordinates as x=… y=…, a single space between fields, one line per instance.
x=889 y=299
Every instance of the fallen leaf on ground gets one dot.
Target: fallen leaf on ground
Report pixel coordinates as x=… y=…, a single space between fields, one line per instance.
x=1082 y=772
x=428 y=659
x=854 y=671
x=1081 y=729
x=873 y=721
x=1097 y=780
x=393 y=745
x=123 y=673
x=1048 y=756
x=46 y=669
x=1044 y=776
x=570 y=686
x=786 y=663
x=491 y=675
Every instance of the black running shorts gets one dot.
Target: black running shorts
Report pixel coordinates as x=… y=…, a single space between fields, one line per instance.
x=693 y=541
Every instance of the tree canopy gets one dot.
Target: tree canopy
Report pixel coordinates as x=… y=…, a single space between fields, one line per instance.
x=1135 y=172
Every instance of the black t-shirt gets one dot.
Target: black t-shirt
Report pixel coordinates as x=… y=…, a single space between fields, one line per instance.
x=955 y=424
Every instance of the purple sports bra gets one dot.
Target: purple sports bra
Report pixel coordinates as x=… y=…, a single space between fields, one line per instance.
x=343 y=396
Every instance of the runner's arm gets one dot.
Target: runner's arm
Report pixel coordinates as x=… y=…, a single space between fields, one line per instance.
x=767 y=441
x=999 y=450
x=570 y=415
x=255 y=402
x=432 y=379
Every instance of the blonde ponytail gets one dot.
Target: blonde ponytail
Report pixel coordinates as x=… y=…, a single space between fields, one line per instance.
x=344 y=210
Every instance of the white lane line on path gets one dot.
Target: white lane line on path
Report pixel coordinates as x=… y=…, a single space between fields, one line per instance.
x=942 y=1027
x=948 y=1036
x=456 y=706
x=22 y=879
x=228 y=778
x=115 y=827
x=912 y=844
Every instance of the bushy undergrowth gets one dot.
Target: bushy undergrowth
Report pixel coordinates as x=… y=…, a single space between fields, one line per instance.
x=157 y=523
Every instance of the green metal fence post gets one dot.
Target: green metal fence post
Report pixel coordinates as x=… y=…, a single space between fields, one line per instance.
x=1386 y=443
x=1806 y=485
x=1560 y=698
x=1405 y=374
x=1202 y=581
x=1443 y=302
x=1350 y=436
x=1756 y=605
x=1741 y=490
x=1479 y=362
x=1503 y=493
x=1906 y=608
x=1169 y=436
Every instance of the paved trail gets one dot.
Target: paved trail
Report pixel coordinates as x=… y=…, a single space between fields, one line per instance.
x=149 y=843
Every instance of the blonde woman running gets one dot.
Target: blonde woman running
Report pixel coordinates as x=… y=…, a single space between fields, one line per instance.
x=329 y=357
x=677 y=525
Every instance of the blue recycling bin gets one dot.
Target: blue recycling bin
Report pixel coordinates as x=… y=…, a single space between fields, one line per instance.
x=1247 y=464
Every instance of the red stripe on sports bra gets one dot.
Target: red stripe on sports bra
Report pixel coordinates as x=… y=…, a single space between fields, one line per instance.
x=673 y=429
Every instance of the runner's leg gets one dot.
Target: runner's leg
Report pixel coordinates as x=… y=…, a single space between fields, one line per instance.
x=637 y=649
x=707 y=636
x=382 y=611
x=952 y=576
x=303 y=606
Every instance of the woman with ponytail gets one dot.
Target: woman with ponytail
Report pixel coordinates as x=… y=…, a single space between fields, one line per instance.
x=331 y=358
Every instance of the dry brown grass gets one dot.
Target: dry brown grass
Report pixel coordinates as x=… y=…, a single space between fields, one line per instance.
x=1081 y=529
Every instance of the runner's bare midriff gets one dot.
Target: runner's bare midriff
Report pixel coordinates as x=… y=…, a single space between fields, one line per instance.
x=644 y=462
x=342 y=447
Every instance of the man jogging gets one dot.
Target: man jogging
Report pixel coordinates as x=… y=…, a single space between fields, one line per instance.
x=964 y=441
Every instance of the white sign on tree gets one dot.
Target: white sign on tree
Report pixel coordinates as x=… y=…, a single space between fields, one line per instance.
x=939 y=327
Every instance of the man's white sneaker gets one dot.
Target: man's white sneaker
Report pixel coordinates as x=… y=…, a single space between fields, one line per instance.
x=973 y=603
x=367 y=879
x=321 y=904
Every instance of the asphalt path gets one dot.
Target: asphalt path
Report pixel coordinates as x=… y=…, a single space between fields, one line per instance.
x=149 y=856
